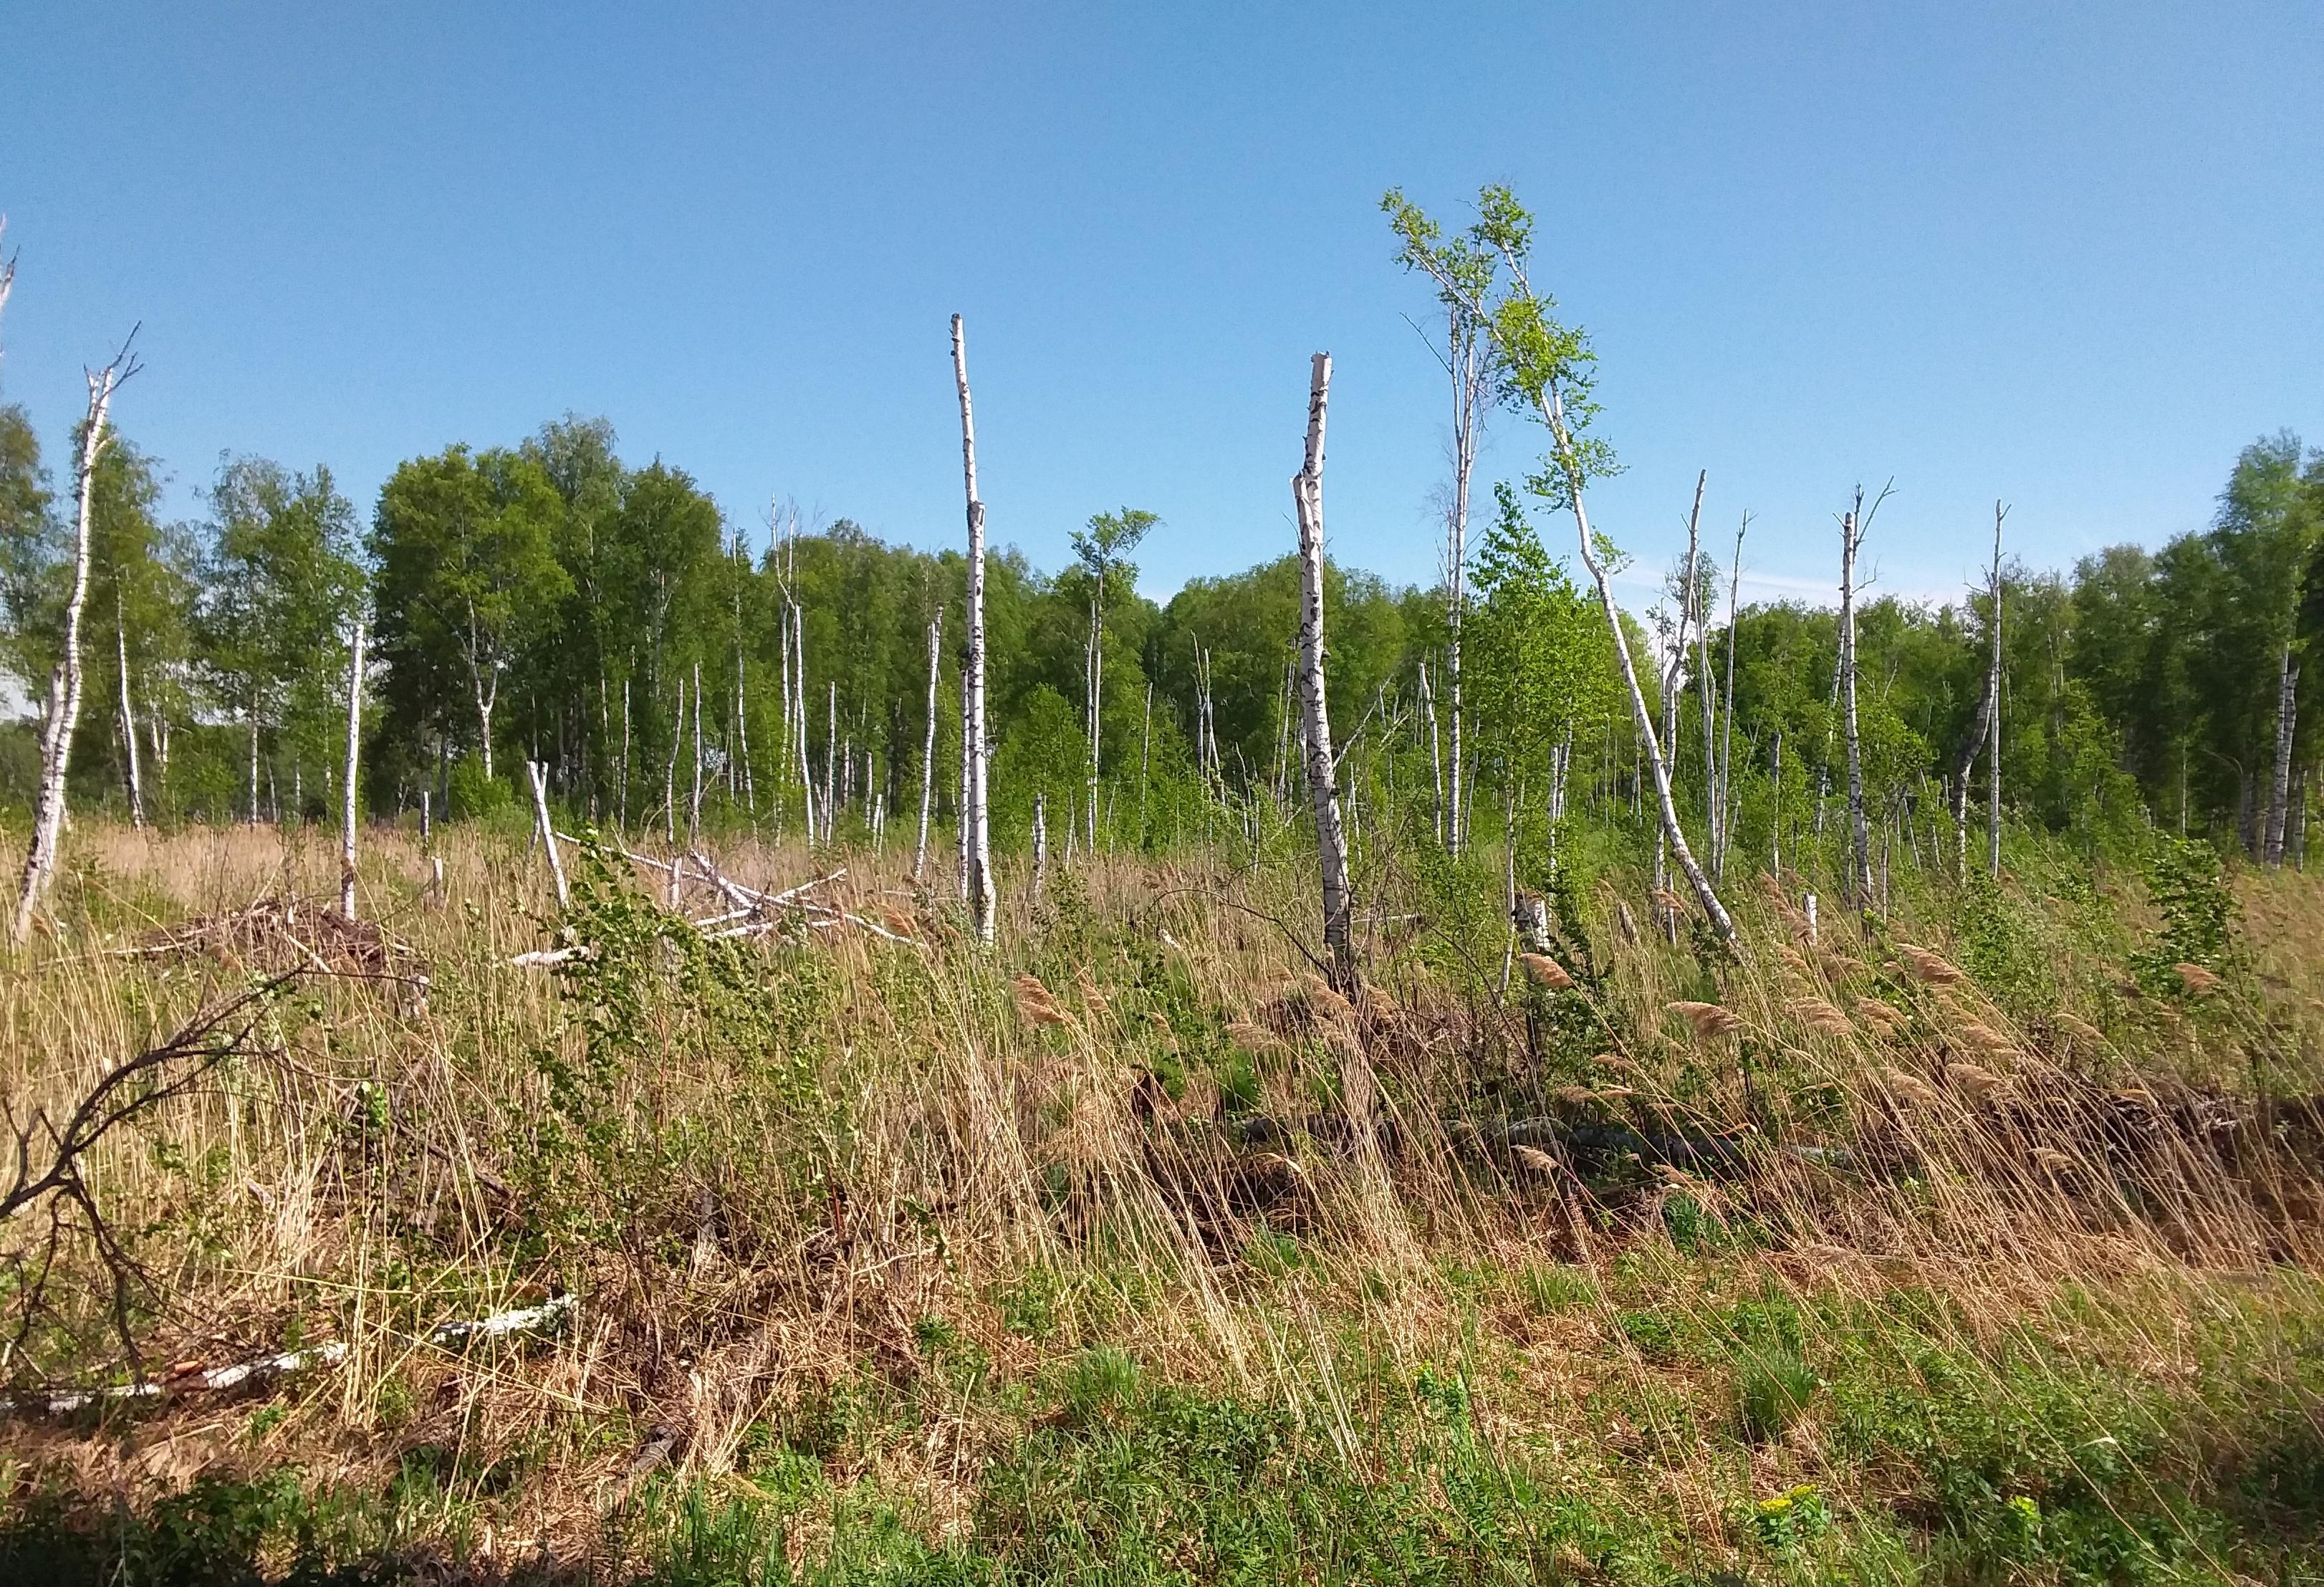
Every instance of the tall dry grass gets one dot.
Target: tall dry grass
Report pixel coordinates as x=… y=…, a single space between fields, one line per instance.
x=760 y=1204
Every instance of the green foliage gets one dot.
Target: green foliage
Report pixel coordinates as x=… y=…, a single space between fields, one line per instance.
x=2200 y=914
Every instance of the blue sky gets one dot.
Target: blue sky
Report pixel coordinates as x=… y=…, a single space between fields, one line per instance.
x=2068 y=255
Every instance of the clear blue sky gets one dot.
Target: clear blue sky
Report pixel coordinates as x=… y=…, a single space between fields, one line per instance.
x=2065 y=255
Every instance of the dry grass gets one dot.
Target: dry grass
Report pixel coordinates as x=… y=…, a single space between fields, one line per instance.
x=913 y=1143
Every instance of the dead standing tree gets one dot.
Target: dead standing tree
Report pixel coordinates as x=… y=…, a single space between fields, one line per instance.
x=1548 y=366
x=929 y=745
x=1993 y=713
x=63 y=715
x=982 y=899
x=1322 y=789
x=1853 y=523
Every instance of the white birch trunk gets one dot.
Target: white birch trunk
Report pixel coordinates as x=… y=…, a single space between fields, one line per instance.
x=960 y=796
x=1041 y=843
x=1145 y=761
x=929 y=745
x=1727 y=714
x=1553 y=411
x=982 y=898
x=1331 y=841
x=694 y=803
x=354 y=766
x=1435 y=750
x=1993 y=722
x=1859 y=870
x=128 y=714
x=63 y=714
x=538 y=774
x=2278 y=788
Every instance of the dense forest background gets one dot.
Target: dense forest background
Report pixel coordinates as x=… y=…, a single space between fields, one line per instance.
x=551 y=602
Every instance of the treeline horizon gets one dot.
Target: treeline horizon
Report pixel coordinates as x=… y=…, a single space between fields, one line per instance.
x=550 y=602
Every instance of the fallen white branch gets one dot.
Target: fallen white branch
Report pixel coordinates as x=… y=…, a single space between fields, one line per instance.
x=212 y=1381
x=521 y=1320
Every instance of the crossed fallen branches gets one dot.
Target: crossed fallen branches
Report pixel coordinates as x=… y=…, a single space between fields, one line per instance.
x=754 y=912
x=49 y=1157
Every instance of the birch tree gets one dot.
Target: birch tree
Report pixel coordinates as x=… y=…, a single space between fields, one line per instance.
x=1100 y=549
x=1316 y=721
x=63 y=712
x=982 y=900
x=1548 y=367
x=1468 y=360
x=465 y=544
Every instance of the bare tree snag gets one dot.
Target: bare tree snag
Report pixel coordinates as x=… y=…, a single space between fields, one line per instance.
x=128 y=715
x=1852 y=525
x=929 y=745
x=355 y=766
x=1993 y=716
x=1323 y=792
x=981 y=896
x=63 y=715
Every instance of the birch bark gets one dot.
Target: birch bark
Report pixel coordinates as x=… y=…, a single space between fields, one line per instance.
x=982 y=899
x=347 y=790
x=1331 y=840
x=63 y=714
x=929 y=745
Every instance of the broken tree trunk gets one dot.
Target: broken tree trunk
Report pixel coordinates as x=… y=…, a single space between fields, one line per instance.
x=1859 y=868
x=1993 y=721
x=1331 y=841
x=981 y=900
x=929 y=745
x=65 y=682
x=347 y=791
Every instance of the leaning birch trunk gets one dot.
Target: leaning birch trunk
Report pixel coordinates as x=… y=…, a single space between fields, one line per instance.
x=1552 y=405
x=694 y=801
x=981 y=900
x=1041 y=844
x=929 y=746
x=1992 y=721
x=1860 y=873
x=539 y=776
x=347 y=791
x=1331 y=841
x=65 y=682
x=128 y=715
